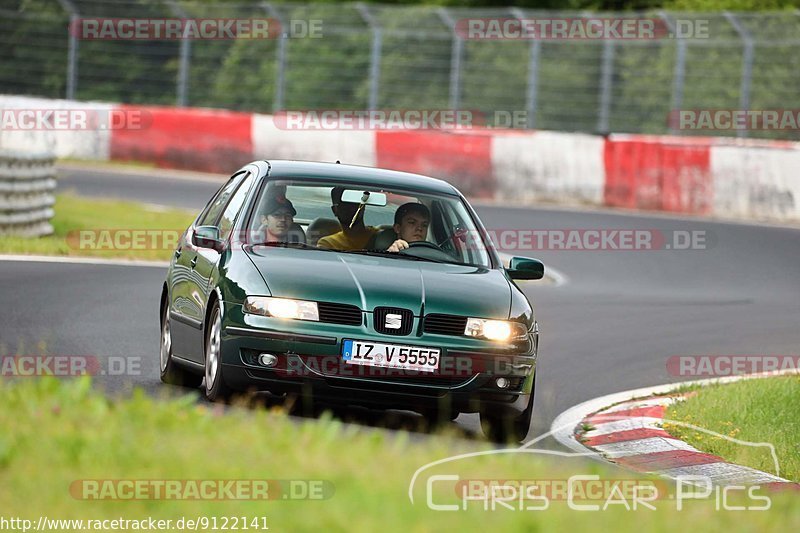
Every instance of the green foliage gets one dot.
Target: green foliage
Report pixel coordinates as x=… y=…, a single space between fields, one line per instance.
x=56 y=433
x=74 y=214
x=731 y=5
x=756 y=410
x=416 y=62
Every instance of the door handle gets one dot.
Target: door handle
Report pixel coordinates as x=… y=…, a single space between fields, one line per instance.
x=194 y=262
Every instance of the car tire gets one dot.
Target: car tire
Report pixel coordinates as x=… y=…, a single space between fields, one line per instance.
x=508 y=429
x=216 y=390
x=171 y=372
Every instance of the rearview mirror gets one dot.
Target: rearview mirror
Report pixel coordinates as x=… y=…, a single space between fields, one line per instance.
x=354 y=196
x=207 y=237
x=525 y=268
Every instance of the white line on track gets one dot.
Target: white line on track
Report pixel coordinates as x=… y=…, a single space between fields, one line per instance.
x=83 y=260
x=590 y=209
x=556 y=277
x=114 y=170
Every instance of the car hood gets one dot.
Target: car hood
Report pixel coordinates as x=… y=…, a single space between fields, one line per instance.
x=369 y=282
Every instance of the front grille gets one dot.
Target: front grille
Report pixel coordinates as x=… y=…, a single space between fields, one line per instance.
x=406 y=320
x=349 y=315
x=445 y=324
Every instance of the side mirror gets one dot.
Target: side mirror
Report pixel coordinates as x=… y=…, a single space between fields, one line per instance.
x=525 y=268
x=207 y=237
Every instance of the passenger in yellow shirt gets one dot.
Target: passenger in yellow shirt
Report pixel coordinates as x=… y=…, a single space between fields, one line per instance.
x=355 y=238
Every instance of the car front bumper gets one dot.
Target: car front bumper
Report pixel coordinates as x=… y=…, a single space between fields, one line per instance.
x=309 y=363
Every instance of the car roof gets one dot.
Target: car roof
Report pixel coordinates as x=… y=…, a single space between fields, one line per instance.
x=335 y=172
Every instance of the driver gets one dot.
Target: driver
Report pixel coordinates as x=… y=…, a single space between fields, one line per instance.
x=411 y=222
x=350 y=238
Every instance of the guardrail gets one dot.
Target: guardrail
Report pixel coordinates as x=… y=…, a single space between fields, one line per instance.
x=734 y=178
x=27 y=186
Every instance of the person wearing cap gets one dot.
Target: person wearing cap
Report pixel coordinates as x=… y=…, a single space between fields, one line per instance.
x=277 y=220
x=411 y=222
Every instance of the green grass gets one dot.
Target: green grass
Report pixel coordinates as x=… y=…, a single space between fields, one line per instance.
x=757 y=410
x=55 y=432
x=107 y=164
x=74 y=214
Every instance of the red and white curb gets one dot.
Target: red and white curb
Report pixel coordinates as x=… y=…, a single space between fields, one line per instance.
x=627 y=429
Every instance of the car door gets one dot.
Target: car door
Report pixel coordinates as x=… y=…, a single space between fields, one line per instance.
x=187 y=288
x=207 y=259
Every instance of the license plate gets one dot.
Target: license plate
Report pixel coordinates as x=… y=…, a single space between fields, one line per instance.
x=391 y=355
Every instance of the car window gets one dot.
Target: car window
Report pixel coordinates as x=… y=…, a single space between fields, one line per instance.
x=314 y=201
x=462 y=236
x=451 y=228
x=234 y=207
x=215 y=207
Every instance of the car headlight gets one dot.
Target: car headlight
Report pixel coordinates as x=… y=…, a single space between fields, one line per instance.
x=281 y=308
x=495 y=330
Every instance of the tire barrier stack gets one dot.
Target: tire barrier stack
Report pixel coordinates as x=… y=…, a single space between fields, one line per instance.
x=27 y=194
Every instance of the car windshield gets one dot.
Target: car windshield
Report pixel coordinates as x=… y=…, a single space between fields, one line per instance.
x=393 y=223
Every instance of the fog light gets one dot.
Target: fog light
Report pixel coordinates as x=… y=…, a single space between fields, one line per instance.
x=502 y=383
x=267 y=359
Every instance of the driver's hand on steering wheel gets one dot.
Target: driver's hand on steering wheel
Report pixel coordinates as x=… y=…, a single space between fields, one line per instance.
x=397 y=245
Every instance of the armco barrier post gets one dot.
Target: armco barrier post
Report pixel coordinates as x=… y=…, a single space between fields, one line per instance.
x=184 y=54
x=455 y=58
x=27 y=186
x=606 y=77
x=532 y=86
x=280 y=59
x=72 y=51
x=375 y=54
x=747 y=66
x=678 y=72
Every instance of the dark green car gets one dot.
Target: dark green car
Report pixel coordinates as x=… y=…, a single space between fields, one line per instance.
x=355 y=285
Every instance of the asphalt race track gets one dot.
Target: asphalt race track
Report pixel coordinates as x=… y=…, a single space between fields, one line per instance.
x=611 y=327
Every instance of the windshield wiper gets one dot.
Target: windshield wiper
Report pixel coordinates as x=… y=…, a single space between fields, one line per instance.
x=378 y=253
x=285 y=244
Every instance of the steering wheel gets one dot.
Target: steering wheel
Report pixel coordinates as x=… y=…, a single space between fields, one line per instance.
x=427 y=250
x=425 y=244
